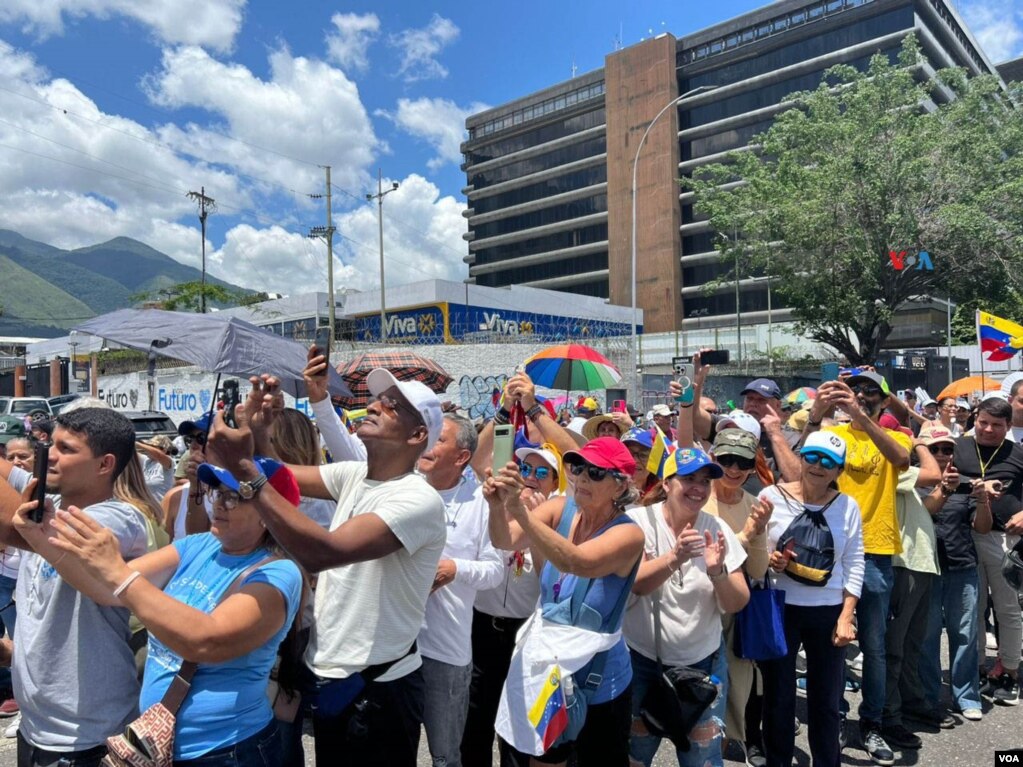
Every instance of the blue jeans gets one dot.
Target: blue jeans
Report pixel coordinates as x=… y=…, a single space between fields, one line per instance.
x=701 y=754
x=260 y=750
x=871 y=627
x=953 y=596
x=8 y=616
x=447 y=704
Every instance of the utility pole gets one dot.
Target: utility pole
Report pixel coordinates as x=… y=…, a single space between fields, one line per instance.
x=379 y=197
x=327 y=233
x=206 y=206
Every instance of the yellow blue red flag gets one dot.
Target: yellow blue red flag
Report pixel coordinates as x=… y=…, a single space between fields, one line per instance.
x=659 y=453
x=549 y=713
x=1001 y=339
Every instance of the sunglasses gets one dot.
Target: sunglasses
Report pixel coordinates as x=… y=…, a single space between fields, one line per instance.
x=197 y=439
x=826 y=462
x=595 y=473
x=540 y=472
x=867 y=390
x=744 y=464
x=941 y=449
x=390 y=403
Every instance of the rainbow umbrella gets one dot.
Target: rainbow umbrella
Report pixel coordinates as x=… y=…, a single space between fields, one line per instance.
x=572 y=367
x=800 y=395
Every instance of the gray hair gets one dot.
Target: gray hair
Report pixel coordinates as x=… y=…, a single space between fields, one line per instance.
x=78 y=404
x=466 y=438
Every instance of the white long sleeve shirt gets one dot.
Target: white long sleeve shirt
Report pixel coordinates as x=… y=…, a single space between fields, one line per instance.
x=446 y=634
x=342 y=444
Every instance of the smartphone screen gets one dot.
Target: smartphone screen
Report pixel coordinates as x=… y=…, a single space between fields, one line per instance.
x=322 y=341
x=715 y=357
x=39 y=472
x=504 y=441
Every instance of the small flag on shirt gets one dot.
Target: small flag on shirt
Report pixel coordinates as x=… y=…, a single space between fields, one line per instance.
x=659 y=453
x=549 y=713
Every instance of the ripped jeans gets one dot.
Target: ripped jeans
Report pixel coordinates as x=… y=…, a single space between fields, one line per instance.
x=705 y=738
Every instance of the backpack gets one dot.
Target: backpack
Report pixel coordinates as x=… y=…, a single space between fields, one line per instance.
x=814 y=545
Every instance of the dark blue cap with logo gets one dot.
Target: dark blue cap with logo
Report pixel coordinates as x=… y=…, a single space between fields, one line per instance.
x=201 y=424
x=765 y=387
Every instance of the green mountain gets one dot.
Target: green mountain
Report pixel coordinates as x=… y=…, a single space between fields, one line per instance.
x=45 y=290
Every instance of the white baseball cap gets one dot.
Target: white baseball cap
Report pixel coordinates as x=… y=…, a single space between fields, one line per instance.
x=543 y=454
x=742 y=420
x=417 y=394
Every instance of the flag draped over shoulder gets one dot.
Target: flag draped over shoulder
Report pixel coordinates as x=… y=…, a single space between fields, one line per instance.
x=1000 y=339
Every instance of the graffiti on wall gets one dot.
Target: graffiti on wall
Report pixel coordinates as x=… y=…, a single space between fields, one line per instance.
x=477 y=394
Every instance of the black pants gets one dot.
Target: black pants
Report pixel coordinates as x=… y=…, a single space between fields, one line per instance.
x=493 y=641
x=907 y=627
x=825 y=682
x=381 y=727
x=31 y=756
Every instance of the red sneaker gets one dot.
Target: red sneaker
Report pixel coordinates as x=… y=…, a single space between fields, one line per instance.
x=9 y=707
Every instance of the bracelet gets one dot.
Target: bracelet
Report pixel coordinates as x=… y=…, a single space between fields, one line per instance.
x=812 y=422
x=126 y=583
x=719 y=576
x=501 y=417
x=535 y=412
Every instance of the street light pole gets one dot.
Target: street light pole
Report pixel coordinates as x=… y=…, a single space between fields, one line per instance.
x=379 y=197
x=635 y=171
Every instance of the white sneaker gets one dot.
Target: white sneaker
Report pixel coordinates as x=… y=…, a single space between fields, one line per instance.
x=12 y=728
x=990 y=641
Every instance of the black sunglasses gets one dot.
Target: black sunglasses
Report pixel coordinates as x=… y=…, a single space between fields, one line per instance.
x=867 y=390
x=198 y=438
x=595 y=473
x=744 y=464
x=941 y=449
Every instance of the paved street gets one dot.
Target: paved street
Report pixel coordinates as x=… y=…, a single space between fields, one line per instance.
x=970 y=744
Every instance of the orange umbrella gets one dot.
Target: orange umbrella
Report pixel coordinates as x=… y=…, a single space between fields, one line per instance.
x=966 y=386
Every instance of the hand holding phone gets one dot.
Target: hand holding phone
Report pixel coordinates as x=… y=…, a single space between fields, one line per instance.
x=504 y=442
x=42 y=466
x=685 y=373
x=322 y=343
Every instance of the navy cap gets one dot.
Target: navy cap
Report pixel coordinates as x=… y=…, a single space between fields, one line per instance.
x=188 y=428
x=765 y=387
x=644 y=437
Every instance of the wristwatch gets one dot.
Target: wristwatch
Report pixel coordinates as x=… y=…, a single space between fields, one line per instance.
x=248 y=490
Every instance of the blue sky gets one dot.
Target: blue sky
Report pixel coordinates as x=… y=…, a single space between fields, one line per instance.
x=111 y=110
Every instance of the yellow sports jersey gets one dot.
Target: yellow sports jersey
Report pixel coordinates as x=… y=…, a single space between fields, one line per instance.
x=872 y=480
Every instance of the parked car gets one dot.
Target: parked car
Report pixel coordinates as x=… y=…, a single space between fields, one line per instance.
x=59 y=403
x=24 y=405
x=150 y=423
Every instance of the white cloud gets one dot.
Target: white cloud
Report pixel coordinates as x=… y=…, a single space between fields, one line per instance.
x=211 y=23
x=996 y=26
x=440 y=122
x=305 y=115
x=348 y=45
x=419 y=49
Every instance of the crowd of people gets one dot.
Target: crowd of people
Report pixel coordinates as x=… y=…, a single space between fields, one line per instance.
x=555 y=607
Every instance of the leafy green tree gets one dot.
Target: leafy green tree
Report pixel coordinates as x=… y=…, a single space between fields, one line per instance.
x=863 y=165
x=187 y=296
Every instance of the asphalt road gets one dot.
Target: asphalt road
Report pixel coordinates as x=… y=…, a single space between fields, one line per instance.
x=970 y=744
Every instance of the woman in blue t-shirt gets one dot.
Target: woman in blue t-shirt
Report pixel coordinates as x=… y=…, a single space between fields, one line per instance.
x=180 y=592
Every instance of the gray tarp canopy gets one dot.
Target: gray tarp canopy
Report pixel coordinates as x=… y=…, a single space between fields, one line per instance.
x=213 y=343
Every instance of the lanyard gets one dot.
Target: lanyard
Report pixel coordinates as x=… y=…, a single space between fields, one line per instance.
x=983 y=464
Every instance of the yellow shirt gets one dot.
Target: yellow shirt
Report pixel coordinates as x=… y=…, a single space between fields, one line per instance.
x=871 y=480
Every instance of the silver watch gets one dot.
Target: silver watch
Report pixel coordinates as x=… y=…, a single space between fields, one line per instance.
x=248 y=490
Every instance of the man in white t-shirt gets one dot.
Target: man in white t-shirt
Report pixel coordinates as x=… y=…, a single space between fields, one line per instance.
x=469 y=564
x=1016 y=401
x=377 y=564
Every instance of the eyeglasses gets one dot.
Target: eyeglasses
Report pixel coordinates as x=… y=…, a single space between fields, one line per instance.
x=198 y=439
x=225 y=498
x=825 y=461
x=744 y=464
x=595 y=473
x=941 y=449
x=540 y=472
x=867 y=390
x=392 y=404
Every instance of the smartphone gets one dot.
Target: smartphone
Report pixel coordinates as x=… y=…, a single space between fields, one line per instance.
x=504 y=442
x=619 y=406
x=42 y=465
x=322 y=342
x=714 y=357
x=965 y=487
x=846 y=372
x=231 y=400
x=685 y=372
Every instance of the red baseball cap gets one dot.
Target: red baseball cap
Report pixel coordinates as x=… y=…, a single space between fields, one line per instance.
x=888 y=421
x=605 y=452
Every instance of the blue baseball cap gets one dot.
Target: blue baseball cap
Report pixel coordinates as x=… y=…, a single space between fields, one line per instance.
x=689 y=460
x=765 y=387
x=278 y=475
x=644 y=437
x=200 y=424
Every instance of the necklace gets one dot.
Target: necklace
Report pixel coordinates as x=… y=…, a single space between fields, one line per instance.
x=984 y=464
x=449 y=519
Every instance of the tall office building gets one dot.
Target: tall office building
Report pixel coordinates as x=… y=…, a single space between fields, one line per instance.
x=549 y=176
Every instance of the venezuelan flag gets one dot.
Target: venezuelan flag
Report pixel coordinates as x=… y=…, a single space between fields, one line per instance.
x=1002 y=339
x=549 y=713
x=659 y=453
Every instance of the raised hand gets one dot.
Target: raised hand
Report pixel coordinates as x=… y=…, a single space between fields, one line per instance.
x=756 y=522
x=315 y=375
x=714 y=552
x=780 y=559
x=94 y=546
